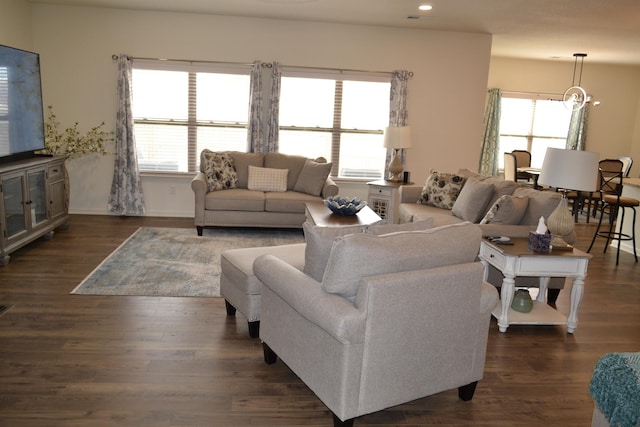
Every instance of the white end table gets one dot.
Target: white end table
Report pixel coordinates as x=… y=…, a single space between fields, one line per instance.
x=517 y=260
x=384 y=198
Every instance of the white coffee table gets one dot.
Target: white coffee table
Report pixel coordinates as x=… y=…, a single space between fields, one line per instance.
x=517 y=260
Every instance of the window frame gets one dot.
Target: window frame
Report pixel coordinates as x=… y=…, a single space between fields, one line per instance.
x=530 y=136
x=192 y=124
x=336 y=131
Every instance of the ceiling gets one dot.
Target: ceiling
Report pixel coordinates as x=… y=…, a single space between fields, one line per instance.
x=607 y=30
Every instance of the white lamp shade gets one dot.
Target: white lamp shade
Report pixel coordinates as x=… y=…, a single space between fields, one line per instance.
x=397 y=137
x=570 y=169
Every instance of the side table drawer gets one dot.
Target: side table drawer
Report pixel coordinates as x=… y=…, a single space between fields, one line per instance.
x=492 y=255
x=380 y=191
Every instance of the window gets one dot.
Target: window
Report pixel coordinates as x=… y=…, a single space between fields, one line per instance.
x=179 y=109
x=532 y=125
x=341 y=119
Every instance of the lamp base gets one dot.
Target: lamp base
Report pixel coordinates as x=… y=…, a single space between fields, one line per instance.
x=560 y=222
x=395 y=167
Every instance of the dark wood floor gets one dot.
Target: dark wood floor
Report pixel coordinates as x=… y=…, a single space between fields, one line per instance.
x=69 y=360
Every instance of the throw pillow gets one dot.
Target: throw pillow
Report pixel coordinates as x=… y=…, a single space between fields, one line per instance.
x=541 y=203
x=219 y=170
x=507 y=210
x=319 y=241
x=312 y=177
x=360 y=255
x=267 y=179
x=441 y=189
x=470 y=204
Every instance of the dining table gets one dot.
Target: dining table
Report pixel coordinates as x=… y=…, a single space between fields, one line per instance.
x=532 y=173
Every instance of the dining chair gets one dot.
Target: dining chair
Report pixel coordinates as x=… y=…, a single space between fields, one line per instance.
x=627 y=162
x=510 y=168
x=612 y=201
x=523 y=160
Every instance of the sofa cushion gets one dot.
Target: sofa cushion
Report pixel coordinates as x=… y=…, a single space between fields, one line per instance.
x=319 y=241
x=356 y=256
x=441 y=189
x=501 y=187
x=288 y=201
x=541 y=204
x=312 y=177
x=219 y=170
x=472 y=200
x=506 y=210
x=285 y=161
x=236 y=199
x=267 y=179
x=241 y=161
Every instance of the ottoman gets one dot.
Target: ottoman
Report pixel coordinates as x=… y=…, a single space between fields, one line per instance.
x=240 y=287
x=615 y=388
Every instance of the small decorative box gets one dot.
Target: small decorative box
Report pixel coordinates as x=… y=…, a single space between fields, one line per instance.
x=539 y=242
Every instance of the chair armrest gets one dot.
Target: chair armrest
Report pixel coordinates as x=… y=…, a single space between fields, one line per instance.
x=332 y=313
x=488 y=298
x=329 y=189
x=409 y=193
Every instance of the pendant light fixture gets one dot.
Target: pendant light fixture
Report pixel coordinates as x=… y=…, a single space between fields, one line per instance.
x=576 y=97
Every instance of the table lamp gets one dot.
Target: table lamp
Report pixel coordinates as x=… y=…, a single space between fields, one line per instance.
x=567 y=170
x=397 y=138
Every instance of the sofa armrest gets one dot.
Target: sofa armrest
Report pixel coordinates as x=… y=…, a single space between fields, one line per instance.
x=409 y=193
x=329 y=189
x=199 y=187
x=332 y=313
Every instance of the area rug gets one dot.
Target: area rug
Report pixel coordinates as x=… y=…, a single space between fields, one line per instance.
x=174 y=261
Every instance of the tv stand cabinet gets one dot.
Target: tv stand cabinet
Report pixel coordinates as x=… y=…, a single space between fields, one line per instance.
x=33 y=201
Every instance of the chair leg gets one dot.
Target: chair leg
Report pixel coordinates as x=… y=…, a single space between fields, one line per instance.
x=231 y=310
x=339 y=423
x=465 y=392
x=597 y=230
x=199 y=230
x=552 y=295
x=270 y=357
x=254 y=329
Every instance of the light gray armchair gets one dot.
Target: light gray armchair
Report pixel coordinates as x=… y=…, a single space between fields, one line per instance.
x=396 y=317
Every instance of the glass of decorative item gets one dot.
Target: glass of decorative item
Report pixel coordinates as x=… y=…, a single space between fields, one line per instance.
x=522 y=301
x=346 y=206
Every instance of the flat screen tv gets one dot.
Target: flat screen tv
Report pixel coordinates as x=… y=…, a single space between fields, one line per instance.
x=21 y=112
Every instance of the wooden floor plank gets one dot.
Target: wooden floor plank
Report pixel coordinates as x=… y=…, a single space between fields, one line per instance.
x=71 y=360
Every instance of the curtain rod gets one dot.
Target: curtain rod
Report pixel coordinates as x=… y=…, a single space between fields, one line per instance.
x=115 y=57
x=267 y=65
x=519 y=92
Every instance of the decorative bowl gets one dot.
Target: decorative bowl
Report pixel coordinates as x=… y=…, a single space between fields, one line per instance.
x=344 y=205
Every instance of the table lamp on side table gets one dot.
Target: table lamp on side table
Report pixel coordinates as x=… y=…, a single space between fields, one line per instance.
x=397 y=138
x=567 y=170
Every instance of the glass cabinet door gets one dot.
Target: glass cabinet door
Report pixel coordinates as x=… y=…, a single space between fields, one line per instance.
x=14 y=205
x=37 y=198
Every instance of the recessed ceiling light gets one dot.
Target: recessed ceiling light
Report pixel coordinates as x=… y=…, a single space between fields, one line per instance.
x=424 y=7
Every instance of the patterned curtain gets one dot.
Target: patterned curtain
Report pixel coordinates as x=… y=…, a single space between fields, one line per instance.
x=577 y=136
x=491 y=138
x=274 y=108
x=126 y=189
x=254 y=134
x=398 y=107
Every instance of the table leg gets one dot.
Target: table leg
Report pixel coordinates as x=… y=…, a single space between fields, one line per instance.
x=506 y=297
x=577 y=289
x=542 y=290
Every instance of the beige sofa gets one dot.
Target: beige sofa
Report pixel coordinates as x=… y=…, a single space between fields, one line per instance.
x=470 y=197
x=340 y=334
x=238 y=189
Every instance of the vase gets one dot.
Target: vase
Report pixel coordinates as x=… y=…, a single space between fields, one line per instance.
x=522 y=301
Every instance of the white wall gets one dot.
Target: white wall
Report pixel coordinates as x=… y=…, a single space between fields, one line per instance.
x=613 y=128
x=15 y=24
x=446 y=95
